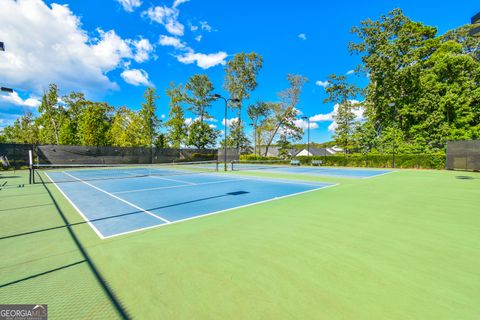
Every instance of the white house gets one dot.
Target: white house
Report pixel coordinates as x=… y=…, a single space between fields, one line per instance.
x=319 y=152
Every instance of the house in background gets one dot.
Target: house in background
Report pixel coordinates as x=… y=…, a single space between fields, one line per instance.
x=319 y=152
x=274 y=151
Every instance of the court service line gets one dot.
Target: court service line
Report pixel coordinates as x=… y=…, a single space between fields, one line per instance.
x=118 y=198
x=169 y=179
x=182 y=186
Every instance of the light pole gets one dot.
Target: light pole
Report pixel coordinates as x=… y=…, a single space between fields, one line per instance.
x=217 y=96
x=254 y=125
x=308 y=134
x=392 y=104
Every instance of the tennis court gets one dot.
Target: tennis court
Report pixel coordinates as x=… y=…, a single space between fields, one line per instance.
x=119 y=200
x=281 y=167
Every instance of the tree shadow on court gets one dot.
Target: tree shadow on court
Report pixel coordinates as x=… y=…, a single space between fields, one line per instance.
x=235 y=193
x=108 y=293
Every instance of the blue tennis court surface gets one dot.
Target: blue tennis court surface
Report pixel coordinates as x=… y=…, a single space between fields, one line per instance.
x=117 y=206
x=315 y=171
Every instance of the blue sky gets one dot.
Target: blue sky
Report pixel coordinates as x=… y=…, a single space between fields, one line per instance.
x=112 y=49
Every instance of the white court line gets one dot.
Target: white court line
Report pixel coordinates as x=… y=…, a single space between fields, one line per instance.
x=182 y=186
x=118 y=198
x=378 y=175
x=169 y=179
x=224 y=210
x=78 y=210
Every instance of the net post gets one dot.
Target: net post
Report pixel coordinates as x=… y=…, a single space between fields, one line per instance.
x=31 y=178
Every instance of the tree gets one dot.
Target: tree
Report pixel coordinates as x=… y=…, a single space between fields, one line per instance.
x=201 y=135
x=125 y=130
x=198 y=94
x=176 y=127
x=74 y=104
x=432 y=81
x=149 y=122
x=23 y=130
x=284 y=147
x=341 y=93
x=236 y=137
x=94 y=124
x=285 y=113
x=51 y=117
x=240 y=79
x=257 y=113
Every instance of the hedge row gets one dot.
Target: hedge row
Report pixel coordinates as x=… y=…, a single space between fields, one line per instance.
x=420 y=161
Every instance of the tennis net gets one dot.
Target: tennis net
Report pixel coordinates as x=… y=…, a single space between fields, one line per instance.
x=241 y=165
x=58 y=173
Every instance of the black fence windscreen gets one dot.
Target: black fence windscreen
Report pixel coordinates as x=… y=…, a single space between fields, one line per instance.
x=17 y=154
x=463 y=155
x=60 y=154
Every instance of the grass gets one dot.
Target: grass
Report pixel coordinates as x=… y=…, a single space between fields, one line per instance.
x=400 y=246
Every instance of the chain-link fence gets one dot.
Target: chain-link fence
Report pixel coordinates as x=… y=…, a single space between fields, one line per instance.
x=463 y=155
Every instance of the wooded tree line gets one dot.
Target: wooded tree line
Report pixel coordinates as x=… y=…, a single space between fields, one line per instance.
x=423 y=89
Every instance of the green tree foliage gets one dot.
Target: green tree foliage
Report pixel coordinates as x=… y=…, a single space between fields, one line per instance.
x=258 y=113
x=284 y=113
x=198 y=95
x=23 y=130
x=125 y=130
x=52 y=115
x=176 y=128
x=149 y=122
x=94 y=124
x=236 y=137
x=284 y=147
x=240 y=79
x=341 y=92
x=201 y=135
x=432 y=80
x=74 y=105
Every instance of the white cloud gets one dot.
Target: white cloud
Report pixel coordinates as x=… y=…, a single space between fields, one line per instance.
x=168 y=17
x=205 y=26
x=212 y=126
x=130 y=5
x=136 y=77
x=15 y=99
x=143 y=49
x=179 y=2
x=302 y=36
x=358 y=111
x=322 y=83
x=230 y=121
x=203 y=60
x=349 y=72
x=193 y=28
x=303 y=124
x=198 y=38
x=110 y=50
x=46 y=44
x=332 y=127
x=172 y=42
x=188 y=121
